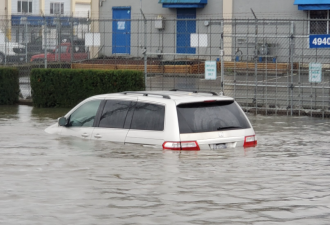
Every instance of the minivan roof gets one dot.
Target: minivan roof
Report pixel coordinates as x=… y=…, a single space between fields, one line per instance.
x=175 y=95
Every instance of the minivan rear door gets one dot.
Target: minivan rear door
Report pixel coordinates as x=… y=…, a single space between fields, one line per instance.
x=147 y=126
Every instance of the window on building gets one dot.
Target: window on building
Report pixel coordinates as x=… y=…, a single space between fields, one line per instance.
x=24 y=6
x=56 y=8
x=319 y=22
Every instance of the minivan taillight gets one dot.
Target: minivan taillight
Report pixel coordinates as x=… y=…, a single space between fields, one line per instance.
x=250 y=141
x=181 y=145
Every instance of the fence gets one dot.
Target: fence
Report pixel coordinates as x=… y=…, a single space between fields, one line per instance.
x=263 y=64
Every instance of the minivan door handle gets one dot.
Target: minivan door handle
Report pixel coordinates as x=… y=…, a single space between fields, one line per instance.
x=97 y=136
x=85 y=135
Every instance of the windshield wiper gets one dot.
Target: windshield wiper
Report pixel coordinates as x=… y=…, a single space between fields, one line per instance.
x=229 y=127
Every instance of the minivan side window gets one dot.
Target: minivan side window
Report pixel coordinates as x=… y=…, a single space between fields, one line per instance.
x=114 y=113
x=84 y=116
x=148 y=117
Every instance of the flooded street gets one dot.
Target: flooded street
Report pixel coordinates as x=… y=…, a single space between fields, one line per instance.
x=49 y=179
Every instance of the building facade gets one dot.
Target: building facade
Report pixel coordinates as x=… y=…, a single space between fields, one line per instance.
x=28 y=16
x=172 y=24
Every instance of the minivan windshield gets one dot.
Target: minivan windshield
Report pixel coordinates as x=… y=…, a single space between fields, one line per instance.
x=210 y=116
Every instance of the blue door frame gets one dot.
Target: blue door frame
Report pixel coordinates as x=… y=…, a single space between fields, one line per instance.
x=121 y=30
x=184 y=29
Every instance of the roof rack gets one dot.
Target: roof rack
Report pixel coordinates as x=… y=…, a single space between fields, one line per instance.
x=194 y=91
x=146 y=94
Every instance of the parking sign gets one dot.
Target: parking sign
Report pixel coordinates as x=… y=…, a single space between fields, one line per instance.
x=210 y=70
x=315 y=72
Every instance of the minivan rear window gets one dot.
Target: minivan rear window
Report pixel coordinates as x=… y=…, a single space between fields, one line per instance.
x=210 y=116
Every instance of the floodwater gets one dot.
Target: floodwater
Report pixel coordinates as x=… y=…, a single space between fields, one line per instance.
x=48 y=179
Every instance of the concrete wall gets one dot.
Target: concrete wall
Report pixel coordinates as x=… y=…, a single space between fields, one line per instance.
x=94 y=27
x=157 y=40
x=267 y=9
x=152 y=8
x=3 y=8
x=274 y=35
x=85 y=3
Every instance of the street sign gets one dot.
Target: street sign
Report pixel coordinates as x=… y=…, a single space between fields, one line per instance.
x=315 y=72
x=319 y=41
x=210 y=70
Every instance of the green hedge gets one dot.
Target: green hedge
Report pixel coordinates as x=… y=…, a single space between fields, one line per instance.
x=67 y=87
x=9 y=86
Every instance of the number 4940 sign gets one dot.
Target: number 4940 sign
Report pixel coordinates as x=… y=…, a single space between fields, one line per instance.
x=319 y=41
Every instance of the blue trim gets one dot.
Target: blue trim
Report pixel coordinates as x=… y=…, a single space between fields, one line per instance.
x=311 y=2
x=314 y=7
x=16 y=20
x=183 y=5
x=121 y=7
x=184 y=1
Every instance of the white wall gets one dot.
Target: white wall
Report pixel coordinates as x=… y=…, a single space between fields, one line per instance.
x=82 y=10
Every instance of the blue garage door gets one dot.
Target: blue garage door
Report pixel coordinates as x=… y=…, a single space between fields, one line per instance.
x=184 y=29
x=121 y=30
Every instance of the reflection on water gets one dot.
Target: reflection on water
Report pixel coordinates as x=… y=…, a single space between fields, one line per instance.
x=45 y=113
x=48 y=179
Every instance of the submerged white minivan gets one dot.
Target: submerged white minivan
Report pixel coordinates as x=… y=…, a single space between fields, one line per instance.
x=173 y=120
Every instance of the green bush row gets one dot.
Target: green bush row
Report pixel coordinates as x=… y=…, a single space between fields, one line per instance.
x=67 y=87
x=9 y=86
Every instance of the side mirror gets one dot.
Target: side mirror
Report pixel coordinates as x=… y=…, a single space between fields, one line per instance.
x=62 y=121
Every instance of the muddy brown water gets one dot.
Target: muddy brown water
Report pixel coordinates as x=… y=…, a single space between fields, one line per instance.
x=49 y=179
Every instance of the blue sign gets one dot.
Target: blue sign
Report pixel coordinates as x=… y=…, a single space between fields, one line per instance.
x=319 y=41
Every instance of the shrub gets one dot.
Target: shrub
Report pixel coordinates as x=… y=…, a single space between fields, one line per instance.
x=67 y=87
x=9 y=86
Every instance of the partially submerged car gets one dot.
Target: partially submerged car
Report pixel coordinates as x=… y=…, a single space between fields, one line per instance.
x=175 y=120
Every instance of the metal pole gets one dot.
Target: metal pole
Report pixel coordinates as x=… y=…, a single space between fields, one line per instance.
x=45 y=41
x=6 y=42
x=26 y=43
x=221 y=58
x=59 y=40
x=72 y=42
x=145 y=54
x=145 y=49
x=255 y=59
x=291 y=61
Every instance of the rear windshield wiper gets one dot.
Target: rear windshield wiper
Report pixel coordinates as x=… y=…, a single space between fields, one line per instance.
x=229 y=127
